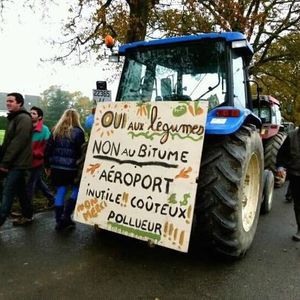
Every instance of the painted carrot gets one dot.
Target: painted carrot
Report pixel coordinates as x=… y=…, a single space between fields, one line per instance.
x=144 y=110
x=199 y=111
x=184 y=173
x=191 y=110
x=92 y=168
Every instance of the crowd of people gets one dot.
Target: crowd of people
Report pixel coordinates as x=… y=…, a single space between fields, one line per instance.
x=29 y=148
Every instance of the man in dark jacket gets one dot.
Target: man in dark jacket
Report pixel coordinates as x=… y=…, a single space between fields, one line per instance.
x=16 y=157
x=289 y=158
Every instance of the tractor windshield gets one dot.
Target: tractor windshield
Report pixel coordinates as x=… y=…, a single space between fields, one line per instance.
x=176 y=72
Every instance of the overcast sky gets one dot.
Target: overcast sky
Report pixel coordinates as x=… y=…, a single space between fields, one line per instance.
x=22 y=40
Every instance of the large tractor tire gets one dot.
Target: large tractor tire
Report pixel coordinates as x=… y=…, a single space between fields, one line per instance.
x=229 y=192
x=271 y=148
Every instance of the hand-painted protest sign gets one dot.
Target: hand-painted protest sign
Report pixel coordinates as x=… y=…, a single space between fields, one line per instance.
x=140 y=171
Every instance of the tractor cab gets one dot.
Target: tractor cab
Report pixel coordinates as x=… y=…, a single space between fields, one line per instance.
x=272 y=131
x=209 y=67
x=268 y=109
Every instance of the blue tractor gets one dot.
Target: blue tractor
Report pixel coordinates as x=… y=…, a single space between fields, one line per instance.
x=209 y=67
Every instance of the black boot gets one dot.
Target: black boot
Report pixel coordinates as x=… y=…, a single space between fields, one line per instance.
x=69 y=208
x=296 y=236
x=58 y=217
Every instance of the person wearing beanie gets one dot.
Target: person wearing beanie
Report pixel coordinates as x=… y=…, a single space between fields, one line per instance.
x=16 y=157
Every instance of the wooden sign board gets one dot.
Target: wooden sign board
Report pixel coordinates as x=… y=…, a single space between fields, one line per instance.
x=140 y=171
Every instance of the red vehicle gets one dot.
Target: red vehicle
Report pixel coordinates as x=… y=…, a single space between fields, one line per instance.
x=272 y=131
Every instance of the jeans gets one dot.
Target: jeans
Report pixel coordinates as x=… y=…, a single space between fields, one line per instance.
x=35 y=181
x=14 y=184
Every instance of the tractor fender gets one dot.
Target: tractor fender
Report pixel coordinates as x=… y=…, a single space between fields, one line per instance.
x=224 y=125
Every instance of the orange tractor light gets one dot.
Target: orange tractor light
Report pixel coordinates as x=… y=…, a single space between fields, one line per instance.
x=109 y=41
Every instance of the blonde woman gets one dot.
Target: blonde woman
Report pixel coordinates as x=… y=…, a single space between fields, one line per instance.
x=62 y=151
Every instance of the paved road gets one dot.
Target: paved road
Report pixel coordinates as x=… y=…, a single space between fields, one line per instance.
x=38 y=263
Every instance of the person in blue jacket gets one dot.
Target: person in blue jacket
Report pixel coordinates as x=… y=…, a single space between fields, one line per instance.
x=62 y=152
x=89 y=121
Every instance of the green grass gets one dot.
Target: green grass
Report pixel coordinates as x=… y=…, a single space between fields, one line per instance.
x=2 y=132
